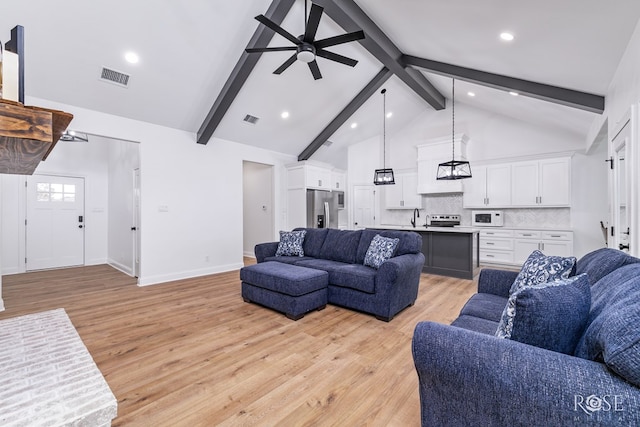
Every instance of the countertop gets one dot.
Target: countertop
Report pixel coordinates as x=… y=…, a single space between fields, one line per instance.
x=421 y=228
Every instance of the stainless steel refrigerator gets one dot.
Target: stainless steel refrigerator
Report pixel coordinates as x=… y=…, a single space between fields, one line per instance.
x=322 y=208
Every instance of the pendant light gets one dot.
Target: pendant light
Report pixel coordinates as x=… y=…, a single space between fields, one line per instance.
x=384 y=176
x=454 y=169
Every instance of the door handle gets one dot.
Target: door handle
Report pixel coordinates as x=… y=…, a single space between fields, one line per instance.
x=81 y=226
x=134 y=228
x=622 y=247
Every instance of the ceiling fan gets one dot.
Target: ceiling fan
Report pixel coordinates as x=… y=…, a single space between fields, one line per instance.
x=306 y=48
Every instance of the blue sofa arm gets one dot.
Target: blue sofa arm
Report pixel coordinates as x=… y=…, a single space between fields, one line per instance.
x=263 y=250
x=496 y=282
x=469 y=378
x=397 y=283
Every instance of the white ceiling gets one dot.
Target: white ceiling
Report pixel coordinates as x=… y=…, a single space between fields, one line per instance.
x=189 y=48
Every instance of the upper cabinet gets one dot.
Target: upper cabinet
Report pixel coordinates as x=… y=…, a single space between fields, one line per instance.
x=338 y=181
x=433 y=153
x=489 y=187
x=309 y=176
x=541 y=183
x=403 y=194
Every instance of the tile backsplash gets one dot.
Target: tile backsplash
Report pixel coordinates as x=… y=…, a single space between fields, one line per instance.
x=554 y=218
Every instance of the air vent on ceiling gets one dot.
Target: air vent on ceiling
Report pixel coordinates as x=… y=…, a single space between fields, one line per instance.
x=115 y=77
x=251 y=119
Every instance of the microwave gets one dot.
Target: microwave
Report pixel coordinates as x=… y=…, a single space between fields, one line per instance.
x=487 y=218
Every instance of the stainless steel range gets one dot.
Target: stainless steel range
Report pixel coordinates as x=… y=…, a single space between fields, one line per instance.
x=444 y=220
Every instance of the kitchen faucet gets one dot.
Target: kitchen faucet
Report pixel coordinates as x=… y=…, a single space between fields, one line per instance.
x=416 y=212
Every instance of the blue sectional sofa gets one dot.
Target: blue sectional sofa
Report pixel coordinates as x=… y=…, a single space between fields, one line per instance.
x=468 y=376
x=383 y=292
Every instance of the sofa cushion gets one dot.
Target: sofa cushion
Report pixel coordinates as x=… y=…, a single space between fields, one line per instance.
x=613 y=335
x=380 y=250
x=321 y=264
x=603 y=261
x=539 y=268
x=354 y=276
x=313 y=240
x=287 y=259
x=549 y=315
x=485 y=306
x=341 y=245
x=476 y=324
x=409 y=243
x=285 y=279
x=291 y=243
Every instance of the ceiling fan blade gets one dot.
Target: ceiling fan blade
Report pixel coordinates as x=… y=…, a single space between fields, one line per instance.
x=312 y=23
x=286 y=64
x=278 y=29
x=335 y=57
x=343 y=38
x=269 y=49
x=313 y=66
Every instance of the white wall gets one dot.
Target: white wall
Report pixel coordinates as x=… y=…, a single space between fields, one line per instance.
x=124 y=157
x=200 y=186
x=257 y=190
x=77 y=159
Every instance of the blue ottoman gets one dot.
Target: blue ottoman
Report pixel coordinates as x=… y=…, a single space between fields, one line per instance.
x=286 y=288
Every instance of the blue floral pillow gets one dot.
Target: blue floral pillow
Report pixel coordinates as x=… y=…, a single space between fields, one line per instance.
x=291 y=243
x=380 y=250
x=549 y=315
x=539 y=268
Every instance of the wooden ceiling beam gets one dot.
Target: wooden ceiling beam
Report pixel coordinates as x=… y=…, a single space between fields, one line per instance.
x=568 y=97
x=350 y=17
x=347 y=112
x=261 y=37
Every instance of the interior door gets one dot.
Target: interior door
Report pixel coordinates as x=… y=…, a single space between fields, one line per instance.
x=620 y=192
x=55 y=222
x=136 y=222
x=363 y=206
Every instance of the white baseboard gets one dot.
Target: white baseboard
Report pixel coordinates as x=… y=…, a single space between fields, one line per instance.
x=121 y=267
x=96 y=261
x=164 y=278
x=1 y=304
x=249 y=254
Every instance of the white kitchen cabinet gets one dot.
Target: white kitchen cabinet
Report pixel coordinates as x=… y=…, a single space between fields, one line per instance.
x=403 y=194
x=541 y=183
x=513 y=247
x=489 y=187
x=309 y=176
x=557 y=243
x=338 y=181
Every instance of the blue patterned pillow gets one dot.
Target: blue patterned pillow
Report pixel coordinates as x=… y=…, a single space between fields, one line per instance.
x=291 y=243
x=549 y=315
x=380 y=250
x=539 y=268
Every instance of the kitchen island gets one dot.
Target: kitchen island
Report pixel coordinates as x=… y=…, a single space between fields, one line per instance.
x=448 y=251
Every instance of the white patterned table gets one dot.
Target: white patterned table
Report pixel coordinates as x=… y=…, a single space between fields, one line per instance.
x=48 y=377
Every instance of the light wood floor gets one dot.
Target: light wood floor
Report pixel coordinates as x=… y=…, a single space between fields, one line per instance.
x=192 y=353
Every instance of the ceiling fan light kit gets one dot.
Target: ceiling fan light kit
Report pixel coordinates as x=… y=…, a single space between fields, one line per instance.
x=453 y=169
x=306 y=48
x=384 y=176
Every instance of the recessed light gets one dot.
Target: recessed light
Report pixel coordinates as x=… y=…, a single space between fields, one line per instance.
x=389 y=114
x=131 y=57
x=512 y=93
x=471 y=94
x=354 y=125
x=506 y=36
x=285 y=114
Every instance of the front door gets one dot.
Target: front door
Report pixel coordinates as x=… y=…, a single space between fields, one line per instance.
x=55 y=222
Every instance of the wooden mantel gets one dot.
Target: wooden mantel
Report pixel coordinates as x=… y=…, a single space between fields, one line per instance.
x=27 y=135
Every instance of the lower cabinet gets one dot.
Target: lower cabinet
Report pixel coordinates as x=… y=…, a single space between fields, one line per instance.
x=515 y=246
x=452 y=254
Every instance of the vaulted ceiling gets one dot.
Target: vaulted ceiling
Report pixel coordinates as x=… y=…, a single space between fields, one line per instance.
x=188 y=51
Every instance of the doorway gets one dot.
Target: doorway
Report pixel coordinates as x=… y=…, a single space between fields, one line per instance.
x=257 y=200
x=54 y=222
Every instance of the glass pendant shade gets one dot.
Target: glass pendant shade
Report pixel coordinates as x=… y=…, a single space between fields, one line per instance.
x=383 y=177
x=454 y=169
